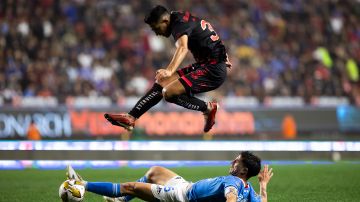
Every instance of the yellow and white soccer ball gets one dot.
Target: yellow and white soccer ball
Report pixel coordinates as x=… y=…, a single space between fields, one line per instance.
x=71 y=191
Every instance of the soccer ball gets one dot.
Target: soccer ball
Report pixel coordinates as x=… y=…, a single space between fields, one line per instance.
x=71 y=191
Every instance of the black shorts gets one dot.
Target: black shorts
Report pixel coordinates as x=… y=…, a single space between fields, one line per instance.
x=202 y=77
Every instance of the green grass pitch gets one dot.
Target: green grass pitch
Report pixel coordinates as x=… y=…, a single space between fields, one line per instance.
x=333 y=182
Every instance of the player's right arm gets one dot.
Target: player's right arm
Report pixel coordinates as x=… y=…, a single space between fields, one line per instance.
x=264 y=178
x=179 y=55
x=231 y=194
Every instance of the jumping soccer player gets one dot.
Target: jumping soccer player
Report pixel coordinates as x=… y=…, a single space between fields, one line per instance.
x=161 y=184
x=180 y=86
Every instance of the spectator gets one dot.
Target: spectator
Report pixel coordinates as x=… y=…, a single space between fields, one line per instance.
x=33 y=132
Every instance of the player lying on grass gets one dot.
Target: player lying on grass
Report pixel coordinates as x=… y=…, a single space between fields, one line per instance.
x=180 y=86
x=161 y=184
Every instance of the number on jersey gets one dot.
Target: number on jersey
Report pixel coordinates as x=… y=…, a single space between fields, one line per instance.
x=204 y=25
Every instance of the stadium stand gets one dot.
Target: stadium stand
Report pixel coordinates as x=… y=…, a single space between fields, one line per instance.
x=67 y=49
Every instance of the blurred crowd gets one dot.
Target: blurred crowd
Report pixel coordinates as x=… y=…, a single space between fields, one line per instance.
x=103 y=47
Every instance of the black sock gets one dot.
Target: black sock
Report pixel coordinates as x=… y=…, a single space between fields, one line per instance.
x=150 y=99
x=188 y=102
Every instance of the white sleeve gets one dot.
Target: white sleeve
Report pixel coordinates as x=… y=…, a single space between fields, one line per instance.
x=230 y=189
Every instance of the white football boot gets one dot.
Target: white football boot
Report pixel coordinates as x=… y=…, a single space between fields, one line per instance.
x=71 y=174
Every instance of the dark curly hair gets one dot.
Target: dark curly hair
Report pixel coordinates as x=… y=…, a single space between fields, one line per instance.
x=251 y=162
x=154 y=15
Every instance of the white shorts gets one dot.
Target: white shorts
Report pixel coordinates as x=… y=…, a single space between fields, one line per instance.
x=173 y=191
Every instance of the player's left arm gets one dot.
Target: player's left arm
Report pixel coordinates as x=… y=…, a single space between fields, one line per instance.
x=179 y=55
x=231 y=194
x=264 y=177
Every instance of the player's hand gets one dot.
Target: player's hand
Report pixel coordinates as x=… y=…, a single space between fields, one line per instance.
x=162 y=74
x=265 y=175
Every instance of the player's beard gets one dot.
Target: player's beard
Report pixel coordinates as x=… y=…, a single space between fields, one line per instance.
x=167 y=33
x=233 y=170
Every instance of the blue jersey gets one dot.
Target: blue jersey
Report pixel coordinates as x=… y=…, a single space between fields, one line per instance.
x=213 y=189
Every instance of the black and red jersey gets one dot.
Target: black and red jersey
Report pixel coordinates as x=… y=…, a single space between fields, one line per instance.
x=203 y=42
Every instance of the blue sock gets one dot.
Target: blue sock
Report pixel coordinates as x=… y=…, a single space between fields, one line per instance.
x=104 y=188
x=143 y=179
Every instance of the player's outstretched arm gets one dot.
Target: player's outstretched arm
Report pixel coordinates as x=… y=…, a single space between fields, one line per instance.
x=264 y=178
